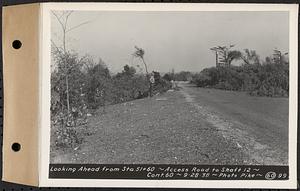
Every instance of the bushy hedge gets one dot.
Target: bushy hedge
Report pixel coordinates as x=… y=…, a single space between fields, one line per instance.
x=90 y=88
x=122 y=87
x=181 y=76
x=160 y=85
x=269 y=79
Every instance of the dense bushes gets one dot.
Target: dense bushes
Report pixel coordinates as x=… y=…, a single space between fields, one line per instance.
x=268 y=79
x=79 y=86
x=122 y=87
x=181 y=76
x=160 y=85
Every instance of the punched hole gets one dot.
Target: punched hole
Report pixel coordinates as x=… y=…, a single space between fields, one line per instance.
x=16 y=147
x=16 y=44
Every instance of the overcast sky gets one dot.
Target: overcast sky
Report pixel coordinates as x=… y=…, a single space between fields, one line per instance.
x=179 y=40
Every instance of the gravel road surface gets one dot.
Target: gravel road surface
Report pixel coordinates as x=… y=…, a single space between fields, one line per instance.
x=189 y=126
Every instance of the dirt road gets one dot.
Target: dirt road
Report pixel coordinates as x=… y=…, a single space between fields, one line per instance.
x=189 y=126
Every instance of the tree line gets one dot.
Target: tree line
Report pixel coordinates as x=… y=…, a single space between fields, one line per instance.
x=260 y=78
x=80 y=86
x=268 y=77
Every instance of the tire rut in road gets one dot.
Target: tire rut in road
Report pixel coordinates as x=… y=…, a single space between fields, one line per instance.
x=256 y=152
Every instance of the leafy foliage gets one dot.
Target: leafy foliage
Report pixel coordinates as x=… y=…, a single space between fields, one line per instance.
x=89 y=86
x=181 y=76
x=268 y=79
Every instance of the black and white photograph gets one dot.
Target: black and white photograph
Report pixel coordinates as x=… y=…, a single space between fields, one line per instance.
x=170 y=87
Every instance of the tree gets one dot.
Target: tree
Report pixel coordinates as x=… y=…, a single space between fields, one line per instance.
x=222 y=55
x=268 y=60
x=129 y=70
x=167 y=77
x=62 y=53
x=233 y=55
x=278 y=56
x=139 y=53
x=98 y=84
x=250 y=57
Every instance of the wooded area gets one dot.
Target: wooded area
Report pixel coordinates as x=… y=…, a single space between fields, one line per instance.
x=260 y=78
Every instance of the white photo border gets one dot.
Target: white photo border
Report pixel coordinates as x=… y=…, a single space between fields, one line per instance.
x=44 y=75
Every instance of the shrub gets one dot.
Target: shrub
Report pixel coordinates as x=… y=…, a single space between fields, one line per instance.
x=77 y=88
x=269 y=79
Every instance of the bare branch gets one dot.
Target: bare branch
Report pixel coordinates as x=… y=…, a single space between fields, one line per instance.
x=245 y=60
x=72 y=28
x=58 y=19
x=53 y=43
x=66 y=19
